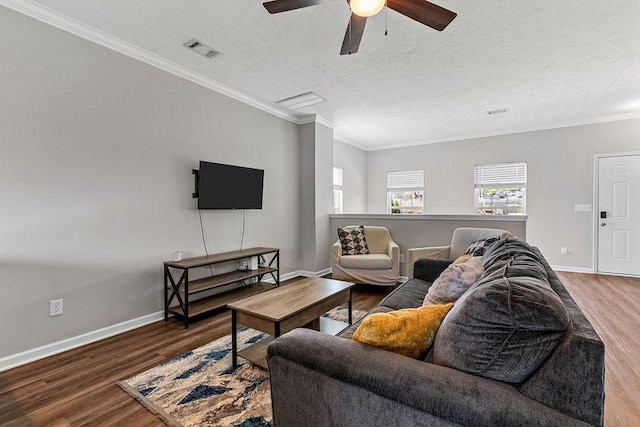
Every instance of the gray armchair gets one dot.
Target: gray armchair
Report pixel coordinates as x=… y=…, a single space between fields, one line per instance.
x=462 y=238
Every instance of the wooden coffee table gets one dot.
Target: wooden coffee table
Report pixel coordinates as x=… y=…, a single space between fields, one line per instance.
x=283 y=309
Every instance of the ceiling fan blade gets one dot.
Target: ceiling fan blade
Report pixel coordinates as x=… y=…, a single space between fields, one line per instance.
x=277 y=6
x=424 y=12
x=352 y=37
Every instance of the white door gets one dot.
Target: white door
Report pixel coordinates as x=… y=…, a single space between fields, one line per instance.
x=619 y=215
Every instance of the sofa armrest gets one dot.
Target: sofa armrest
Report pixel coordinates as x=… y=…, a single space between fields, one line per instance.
x=318 y=379
x=429 y=269
x=436 y=252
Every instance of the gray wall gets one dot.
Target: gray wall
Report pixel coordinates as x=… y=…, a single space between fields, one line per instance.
x=560 y=175
x=316 y=195
x=96 y=152
x=353 y=162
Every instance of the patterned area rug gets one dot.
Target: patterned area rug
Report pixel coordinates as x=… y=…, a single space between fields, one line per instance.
x=199 y=388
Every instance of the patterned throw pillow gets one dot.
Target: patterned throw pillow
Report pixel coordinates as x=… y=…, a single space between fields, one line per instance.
x=478 y=247
x=352 y=240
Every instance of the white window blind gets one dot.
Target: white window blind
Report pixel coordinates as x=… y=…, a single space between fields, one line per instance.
x=337 y=177
x=405 y=180
x=501 y=175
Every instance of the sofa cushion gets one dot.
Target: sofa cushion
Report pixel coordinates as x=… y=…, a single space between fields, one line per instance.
x=454 y=281
x=409 y=331
x=504 y=249
x=504 y=327
x=368 y=261
x=409 y=294
x=352 y=240
x=479 y=247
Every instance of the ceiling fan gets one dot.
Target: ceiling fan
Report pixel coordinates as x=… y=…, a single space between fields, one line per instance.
x=422 y=11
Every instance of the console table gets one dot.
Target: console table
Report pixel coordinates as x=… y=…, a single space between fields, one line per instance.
x=181 y=294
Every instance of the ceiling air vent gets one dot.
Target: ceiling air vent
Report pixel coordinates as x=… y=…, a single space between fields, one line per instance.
x=300 y=101
x=202 y=49
x=501 y=110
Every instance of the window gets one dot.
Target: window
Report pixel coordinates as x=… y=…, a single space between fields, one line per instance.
x=501 y=189
x=337 y=190
x=405 y=192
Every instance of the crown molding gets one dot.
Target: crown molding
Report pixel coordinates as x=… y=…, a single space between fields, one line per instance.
x=591 y=121
x=55 y=19
x=351 y=142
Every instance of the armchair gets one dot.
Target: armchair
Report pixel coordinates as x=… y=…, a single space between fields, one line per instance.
x=381 y=266
x=460 y=241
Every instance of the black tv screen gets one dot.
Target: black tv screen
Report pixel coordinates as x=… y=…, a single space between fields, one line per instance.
x=229 y=187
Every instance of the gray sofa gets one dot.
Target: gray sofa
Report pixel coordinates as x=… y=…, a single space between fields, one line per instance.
x=323 y=380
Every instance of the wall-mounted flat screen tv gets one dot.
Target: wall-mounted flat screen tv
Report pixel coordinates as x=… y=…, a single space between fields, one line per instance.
x=221 y=186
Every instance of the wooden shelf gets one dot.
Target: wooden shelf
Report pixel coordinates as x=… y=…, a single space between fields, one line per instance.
x=203 y=261
x=268 y=257
x=214 y=302
x=207 y=283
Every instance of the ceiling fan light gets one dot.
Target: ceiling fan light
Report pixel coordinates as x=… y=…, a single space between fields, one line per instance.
x=366 y=8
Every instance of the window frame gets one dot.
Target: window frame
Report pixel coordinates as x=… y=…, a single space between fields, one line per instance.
x=338 y=189
x=403 y=184
x=500 y=176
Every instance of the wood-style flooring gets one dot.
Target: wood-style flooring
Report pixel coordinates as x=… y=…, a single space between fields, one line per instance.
x=78 y=387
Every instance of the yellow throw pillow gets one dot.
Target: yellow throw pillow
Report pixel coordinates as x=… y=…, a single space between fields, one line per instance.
x=409 y=331
x=462 y=259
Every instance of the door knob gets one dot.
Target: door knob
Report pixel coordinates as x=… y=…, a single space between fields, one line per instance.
x=603 y=224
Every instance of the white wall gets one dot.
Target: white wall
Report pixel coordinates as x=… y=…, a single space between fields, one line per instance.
x=353 y=162
x=560 y=175
x=96 y=152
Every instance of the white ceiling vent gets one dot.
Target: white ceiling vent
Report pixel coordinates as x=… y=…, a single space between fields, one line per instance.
x=202 y=49
x=498 y=111
x=300 y=101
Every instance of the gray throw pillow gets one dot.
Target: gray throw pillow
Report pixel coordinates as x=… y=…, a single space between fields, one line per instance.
x=479 y=247
x=504 y=327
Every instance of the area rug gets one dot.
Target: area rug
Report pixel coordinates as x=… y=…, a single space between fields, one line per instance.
x=199 y=388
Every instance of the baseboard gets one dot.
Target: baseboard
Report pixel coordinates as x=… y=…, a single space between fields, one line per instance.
x=28 y=356
x=570 y=269
x=283 y=277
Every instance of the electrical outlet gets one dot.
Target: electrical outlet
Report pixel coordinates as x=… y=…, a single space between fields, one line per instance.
x=563 y=251
x=401 y=258
x=55 y=307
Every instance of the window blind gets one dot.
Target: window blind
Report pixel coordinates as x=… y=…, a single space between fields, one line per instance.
x=398 y=180
x=337 y=176
x=501 y=175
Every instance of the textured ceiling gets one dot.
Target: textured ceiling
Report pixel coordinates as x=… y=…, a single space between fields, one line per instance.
x=552 y=63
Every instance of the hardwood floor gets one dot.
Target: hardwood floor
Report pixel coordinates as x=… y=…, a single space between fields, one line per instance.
x=612 y=305
x=78 y=387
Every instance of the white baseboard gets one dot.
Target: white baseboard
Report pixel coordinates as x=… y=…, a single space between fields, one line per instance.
x=320 y=273
x=569 y=269
x=28 y=356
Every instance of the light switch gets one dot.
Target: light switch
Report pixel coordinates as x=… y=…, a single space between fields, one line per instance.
x=583 y=208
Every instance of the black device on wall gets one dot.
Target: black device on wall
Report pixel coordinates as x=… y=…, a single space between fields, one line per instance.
x=220 y=186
